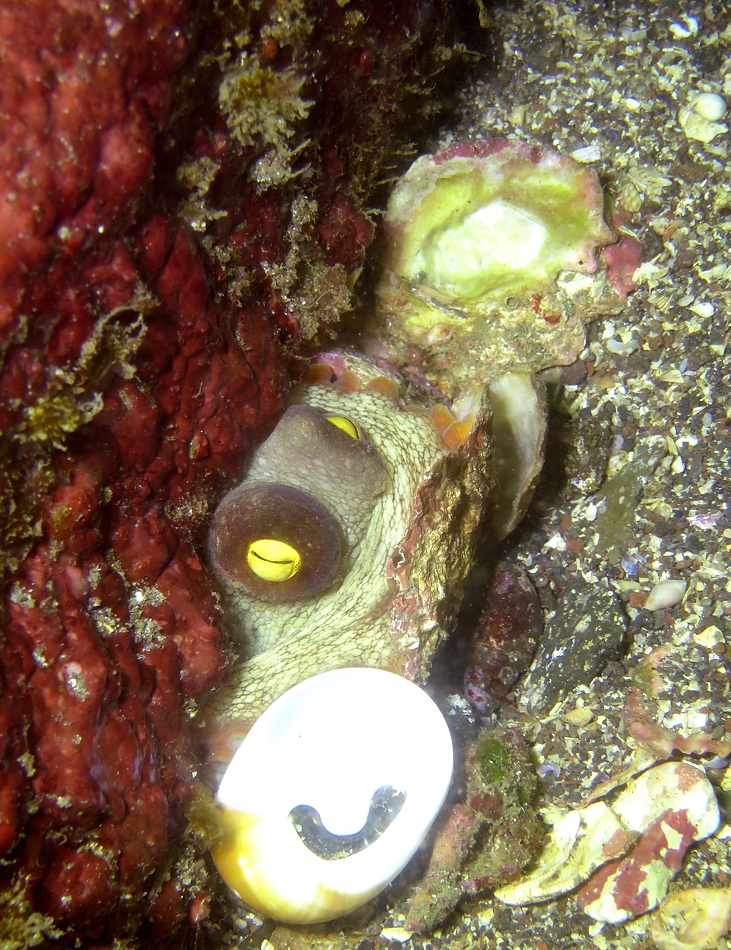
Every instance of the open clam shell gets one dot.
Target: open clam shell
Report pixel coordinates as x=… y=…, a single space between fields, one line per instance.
x=331 y=793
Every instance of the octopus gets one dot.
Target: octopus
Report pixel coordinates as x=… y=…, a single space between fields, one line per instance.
x=382 y=501
x=349 y=537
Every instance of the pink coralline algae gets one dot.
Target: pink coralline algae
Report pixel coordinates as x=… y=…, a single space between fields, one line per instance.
x=173 y=233
x=625 y=853
x=622 y=260
x=627 y=888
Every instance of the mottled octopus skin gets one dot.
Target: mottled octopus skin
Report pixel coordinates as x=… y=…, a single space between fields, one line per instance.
x=402 y=576
x=141 y=351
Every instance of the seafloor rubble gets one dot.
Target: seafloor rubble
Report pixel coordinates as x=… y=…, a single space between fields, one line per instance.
x=185 y=195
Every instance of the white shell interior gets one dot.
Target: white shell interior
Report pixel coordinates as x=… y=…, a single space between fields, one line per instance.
x=330 y=742
x=497 y=236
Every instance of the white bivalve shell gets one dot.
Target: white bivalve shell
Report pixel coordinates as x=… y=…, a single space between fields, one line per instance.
x=364 y=758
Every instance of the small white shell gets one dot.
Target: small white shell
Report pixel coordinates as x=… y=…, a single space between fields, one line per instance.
x=330 y=743
x=666 y=594
x=710 y=106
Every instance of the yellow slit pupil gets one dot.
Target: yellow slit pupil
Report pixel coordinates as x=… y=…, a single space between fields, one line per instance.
x=347 y=426
x=273 y=560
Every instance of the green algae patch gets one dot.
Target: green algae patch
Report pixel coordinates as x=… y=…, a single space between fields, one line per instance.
x=494 y=760
x=262 y=104
x=489 y=837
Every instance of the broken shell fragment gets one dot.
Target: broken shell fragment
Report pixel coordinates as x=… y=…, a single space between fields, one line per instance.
x=666 y=808
x=519 y=425
x=579 y=842
x=321 y=806
x=629 y=887
x=695 y=919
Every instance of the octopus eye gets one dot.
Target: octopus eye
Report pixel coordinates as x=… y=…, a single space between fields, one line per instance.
x=348 y=426
x=273 y=560
x=274 y=542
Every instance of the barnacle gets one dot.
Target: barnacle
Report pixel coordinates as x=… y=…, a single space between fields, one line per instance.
x=490 y=262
